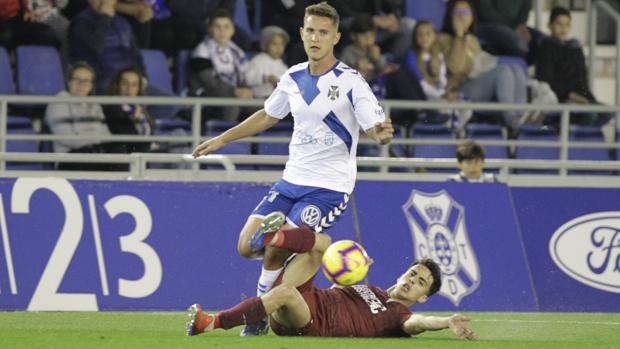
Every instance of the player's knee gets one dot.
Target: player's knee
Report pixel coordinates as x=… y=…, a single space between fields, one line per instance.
x=276 y=255
x=286 y=293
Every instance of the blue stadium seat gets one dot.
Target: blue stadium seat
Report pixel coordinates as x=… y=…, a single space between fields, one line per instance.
x=477 y=131
x=241 y=19
x=157 y=70
x=7 y=86
x=182 y=71
x=19 y=125
x=588 y=134
x=430 y=131
x=39 y=71
x=533 y=134
x=432 y=10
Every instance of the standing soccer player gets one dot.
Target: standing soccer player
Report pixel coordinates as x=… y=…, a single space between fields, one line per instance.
x=329 y=102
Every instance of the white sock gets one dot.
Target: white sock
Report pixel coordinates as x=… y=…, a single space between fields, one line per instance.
x=266 y=280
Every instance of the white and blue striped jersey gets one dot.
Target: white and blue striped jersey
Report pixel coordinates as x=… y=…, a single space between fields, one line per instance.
x=328 y=111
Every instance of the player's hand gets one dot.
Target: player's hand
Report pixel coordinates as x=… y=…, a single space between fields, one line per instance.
x=459 y=325
x=384 y=131
x=208 y=147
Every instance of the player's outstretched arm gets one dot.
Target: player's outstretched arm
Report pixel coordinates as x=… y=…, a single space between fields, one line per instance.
x=256 y=123
x=381 y=132
x=459 y=325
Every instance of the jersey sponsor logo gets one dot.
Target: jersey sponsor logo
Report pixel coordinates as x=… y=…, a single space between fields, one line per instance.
x=437 y=224
x=374 y=303
x=587 y=249
x=311 y=215
x=333 y=92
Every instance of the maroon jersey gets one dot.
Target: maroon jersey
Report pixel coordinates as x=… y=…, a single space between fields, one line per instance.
x=358 y=311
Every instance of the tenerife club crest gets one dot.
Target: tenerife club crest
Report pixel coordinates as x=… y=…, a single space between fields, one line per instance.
x=333 y=92
x=437 y=224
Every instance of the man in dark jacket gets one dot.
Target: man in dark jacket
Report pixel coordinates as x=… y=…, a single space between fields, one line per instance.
x=103 y=39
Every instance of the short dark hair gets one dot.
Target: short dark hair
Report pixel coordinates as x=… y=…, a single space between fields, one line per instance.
x=468 y=150
x=323 y=9
x=558 y=11
x=362 y=23
x=435 y=270
x=219 y=13
x=80 y=65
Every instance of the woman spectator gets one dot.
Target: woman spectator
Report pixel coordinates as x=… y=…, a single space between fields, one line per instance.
x=129 y=119
x=472 y=71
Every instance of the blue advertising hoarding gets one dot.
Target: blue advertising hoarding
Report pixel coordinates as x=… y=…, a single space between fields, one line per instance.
x=129 y=245
x=572 y=237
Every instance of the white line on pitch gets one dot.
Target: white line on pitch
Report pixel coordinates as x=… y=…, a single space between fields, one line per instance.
x=7 y=248
x=572 y=322
x=100 y=261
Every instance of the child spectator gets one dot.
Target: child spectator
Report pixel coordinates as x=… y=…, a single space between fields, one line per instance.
x=77 y=118
x=470 y=156
x=129 y=119
x=561 y=63
x=364 y=54
x=265 y=69
x=218 y=66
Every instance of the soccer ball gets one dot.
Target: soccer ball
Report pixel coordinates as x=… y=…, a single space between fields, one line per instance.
x=345 y=262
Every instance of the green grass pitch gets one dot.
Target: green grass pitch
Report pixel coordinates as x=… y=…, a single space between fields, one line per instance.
x=153 y=330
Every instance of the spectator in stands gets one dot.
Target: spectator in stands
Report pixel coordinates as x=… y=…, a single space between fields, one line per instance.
x=129 y=119
x=364 y=55
x=218 y=66
x=19 y=25
x=139 y=14
x=561 y=63
x=470 y=156
x=77 y=118
x=82 y=119
x=503 y=28
x=103 y=39
x=265 y=69
x=430 y=64
x=287 y=14
x=393 y=30
x=472 y=71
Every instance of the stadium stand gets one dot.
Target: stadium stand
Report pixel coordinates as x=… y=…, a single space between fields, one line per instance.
x=533 y=134
x=432 y=10
x=483 y=132
x=157 y=70
x=7 y=85
x=39 y=71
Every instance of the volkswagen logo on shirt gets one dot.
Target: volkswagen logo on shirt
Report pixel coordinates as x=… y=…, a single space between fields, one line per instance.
x=311 y=215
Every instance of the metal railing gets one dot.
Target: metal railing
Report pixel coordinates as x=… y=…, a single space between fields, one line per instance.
x=594 y=8
x=197 y=104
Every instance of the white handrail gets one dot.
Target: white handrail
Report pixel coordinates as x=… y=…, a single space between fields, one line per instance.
x=594 y=7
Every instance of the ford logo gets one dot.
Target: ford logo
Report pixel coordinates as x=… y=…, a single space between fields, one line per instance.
x=587 y=249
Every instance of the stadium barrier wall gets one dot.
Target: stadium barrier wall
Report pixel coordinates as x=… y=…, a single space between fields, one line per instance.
x=129 y=245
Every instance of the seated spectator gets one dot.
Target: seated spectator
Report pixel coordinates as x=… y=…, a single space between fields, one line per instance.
x=431 y=66
x=79 y=119
x=472 y=71
x=562 y=64
x=129 y=119
x=103 y=39
x=265 y=69
x=364 y=55
x=20 y=25
x=503 y=28
x=393 y=30
x=218 y=66
x=470 y=156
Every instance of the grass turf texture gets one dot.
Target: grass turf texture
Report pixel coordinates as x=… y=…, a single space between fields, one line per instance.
x=166 y=330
